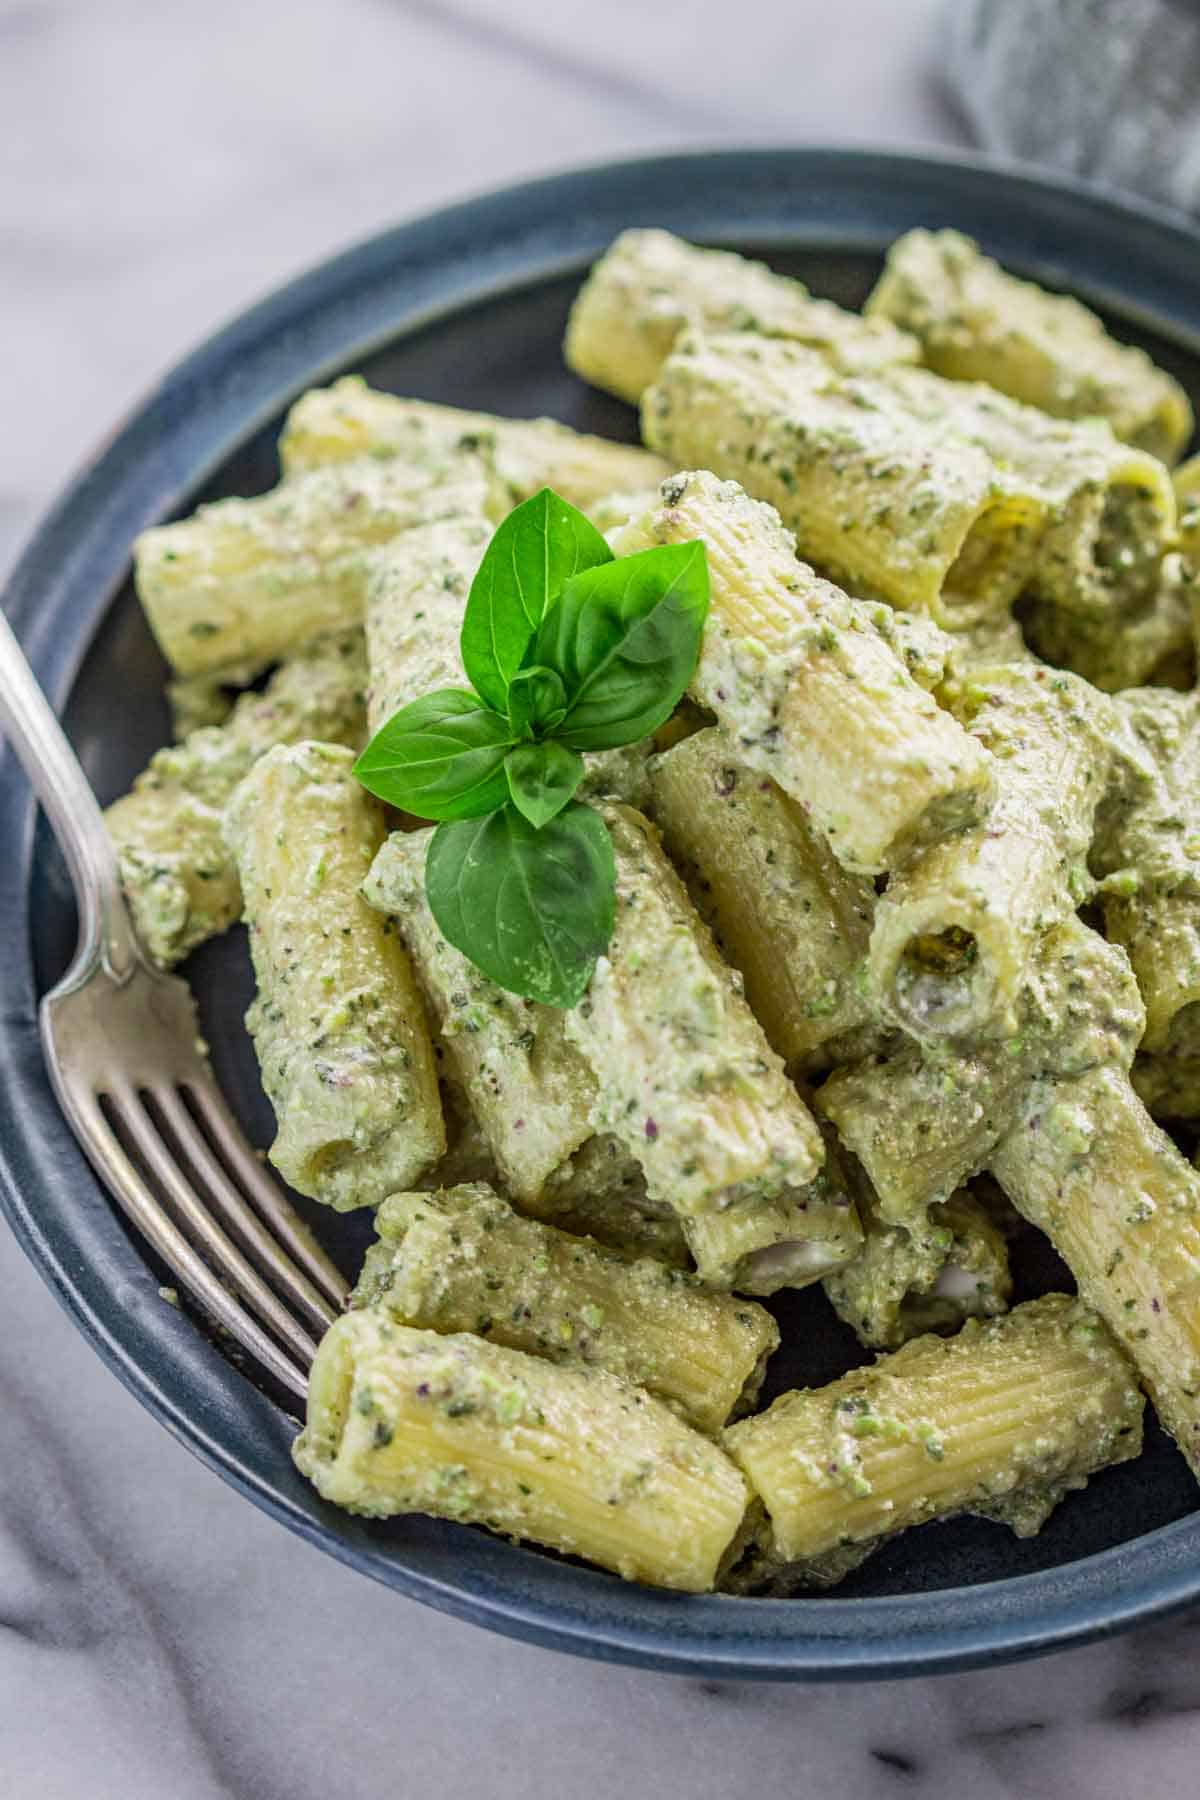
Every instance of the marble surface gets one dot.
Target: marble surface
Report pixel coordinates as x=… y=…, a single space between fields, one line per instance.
x=160 y=166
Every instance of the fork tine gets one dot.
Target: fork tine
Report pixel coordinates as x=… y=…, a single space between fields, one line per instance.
x=239 y=1217
x=145 y=1211
x=253 y=1289
x=268 y=1198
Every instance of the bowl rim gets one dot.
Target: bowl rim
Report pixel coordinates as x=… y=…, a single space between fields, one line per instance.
x=1118 y=252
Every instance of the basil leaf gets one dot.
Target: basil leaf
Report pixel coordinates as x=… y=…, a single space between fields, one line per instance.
x=537 y=701
x=625 y=639
x=532 y=909
x=540 y=545
x=442 y=757
x=542 y=778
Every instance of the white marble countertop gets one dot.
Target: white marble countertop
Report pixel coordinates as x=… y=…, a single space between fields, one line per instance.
x=161 y=165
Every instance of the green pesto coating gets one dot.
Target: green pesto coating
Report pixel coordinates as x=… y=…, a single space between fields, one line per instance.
x=350 y=420
x=246 y=581
x=875 y=498
x=1149 y=639
x=1002 y=1421
x=923 y=1121
x=1150 y=864
x=949 y=1266
x=463 y=1260
x=781 y=908
x=959 y=924
x=179 y=878
x=528 y=1086
x=685 y=1078
x=823 y=693
x=976 y=322
x=403 y=1421
x=649 y=287
x=338 y=1022
x=1086 y=1164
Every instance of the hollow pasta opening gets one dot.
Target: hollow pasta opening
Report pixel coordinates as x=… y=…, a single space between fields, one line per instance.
x=935 y=977
x=1129 y=538
x=992 y=563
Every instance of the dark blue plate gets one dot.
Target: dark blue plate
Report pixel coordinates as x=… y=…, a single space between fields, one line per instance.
x=468 y=306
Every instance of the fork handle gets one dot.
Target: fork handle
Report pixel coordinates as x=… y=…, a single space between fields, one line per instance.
x=105 y=931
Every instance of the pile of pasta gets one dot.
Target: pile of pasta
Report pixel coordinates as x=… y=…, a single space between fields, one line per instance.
x=907 y=945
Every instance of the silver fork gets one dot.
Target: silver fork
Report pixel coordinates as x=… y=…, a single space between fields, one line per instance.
x=124 y=1053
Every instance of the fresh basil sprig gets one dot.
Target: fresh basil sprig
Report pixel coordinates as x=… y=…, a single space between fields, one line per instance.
x=570 y=650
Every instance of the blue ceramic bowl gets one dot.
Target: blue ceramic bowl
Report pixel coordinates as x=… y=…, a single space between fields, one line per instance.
x=468 y=306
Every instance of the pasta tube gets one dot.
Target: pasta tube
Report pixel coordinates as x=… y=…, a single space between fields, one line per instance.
x=1107 y=512
x=933 y=494
x=598 y=1193
x=1002 y=1421
x=416 y=596
x=338 y=1022
x=810 y=690
x=921 y=1122
x=784 y=913
x=462 y=1260
x=528 y=1086
x=649 y=287
x=685 y=1078
x=874 y=495
x=976 y=322
x=956 y=929
x=246 y=581
x=1151 y=891
x=930 y=1276
x=403 y=1421
x=180 y=881
x=1149 y=640
x=349 y=419
x=1088 y=1166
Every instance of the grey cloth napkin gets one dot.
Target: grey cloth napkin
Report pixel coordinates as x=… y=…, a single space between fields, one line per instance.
x=1106 y=89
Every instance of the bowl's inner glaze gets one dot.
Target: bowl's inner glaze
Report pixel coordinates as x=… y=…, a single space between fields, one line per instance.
x=504 y=356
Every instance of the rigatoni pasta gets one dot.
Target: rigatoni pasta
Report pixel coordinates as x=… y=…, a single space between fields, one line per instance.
x=792 y=667
x=415 y=597
x=922 y=1122
x=1150 y=861
x=338 y=1022
x=529 y=1087
x=649 y=287
x=783 y=910
x=245 y=581
x=883 y=503
x=1001 y=1421
x=976 y=322
x=406 y=1421
x=846 y=1028
x=1088 y=1166
x=685 y=1078
x=463 y=1260
x=927 y=492
x=350 y=421
x=180 y=880
x=1107 y=511
x=959 y=924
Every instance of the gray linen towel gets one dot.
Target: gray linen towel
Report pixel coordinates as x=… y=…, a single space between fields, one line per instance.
x=1106 y=89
